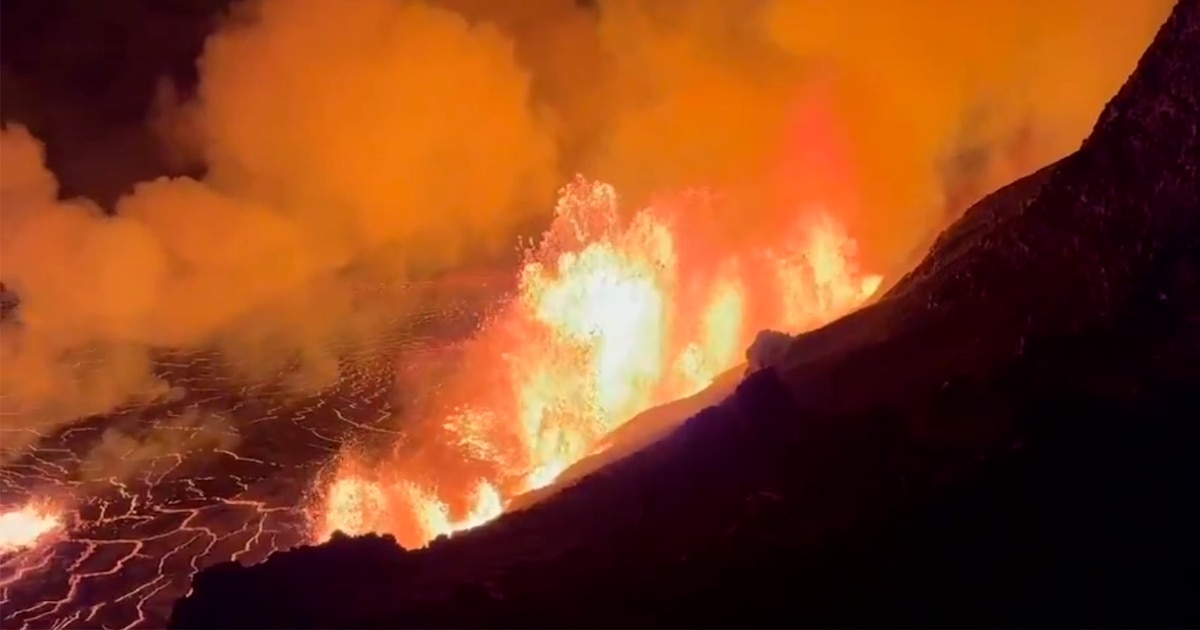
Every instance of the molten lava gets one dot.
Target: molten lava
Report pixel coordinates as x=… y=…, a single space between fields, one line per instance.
x=23 y=528
x=613 y=315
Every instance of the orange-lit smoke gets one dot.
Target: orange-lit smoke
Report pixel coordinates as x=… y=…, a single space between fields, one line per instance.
x=343 y=143
x=945 y=100
x=613 y=316
x=378 y=139
x=940 y=100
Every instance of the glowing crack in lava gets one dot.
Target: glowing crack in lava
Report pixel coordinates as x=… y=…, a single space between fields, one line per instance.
x=612 y=316
x=24 y=527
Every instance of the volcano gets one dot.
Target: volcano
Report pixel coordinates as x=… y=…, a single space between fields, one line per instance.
x=1006 y=437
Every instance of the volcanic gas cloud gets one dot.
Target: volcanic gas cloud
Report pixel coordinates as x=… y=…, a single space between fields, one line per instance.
x=756 y=165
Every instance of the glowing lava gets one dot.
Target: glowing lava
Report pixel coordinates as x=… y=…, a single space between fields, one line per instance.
x=613 y=315
x=23 y=528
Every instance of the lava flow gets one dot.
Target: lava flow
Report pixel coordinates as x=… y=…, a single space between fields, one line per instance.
x=612 y=316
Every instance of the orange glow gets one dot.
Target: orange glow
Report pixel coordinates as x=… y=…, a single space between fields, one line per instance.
x=24 y=527
x=613 y=315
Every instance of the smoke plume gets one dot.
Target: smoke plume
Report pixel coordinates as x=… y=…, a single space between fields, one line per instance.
x=127 y=449
x=376 y=140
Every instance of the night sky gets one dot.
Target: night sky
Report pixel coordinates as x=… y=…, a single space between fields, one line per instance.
x=82 y=77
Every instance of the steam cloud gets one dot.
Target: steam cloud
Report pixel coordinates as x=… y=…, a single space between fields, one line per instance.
x=382 y=139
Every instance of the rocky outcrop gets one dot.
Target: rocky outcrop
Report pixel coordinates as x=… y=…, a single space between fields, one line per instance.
x=1006 y=438
x=768 y=348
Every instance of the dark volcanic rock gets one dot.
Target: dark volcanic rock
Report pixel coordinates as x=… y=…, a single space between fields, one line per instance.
x=768 y=348
x=1006 y=438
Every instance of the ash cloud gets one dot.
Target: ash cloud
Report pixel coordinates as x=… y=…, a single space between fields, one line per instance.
x=374 y=140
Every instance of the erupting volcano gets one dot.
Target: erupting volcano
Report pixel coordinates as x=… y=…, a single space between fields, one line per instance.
x=614 y=313
x=566 y=313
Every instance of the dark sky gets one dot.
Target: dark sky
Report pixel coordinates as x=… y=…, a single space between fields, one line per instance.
x=81 y=75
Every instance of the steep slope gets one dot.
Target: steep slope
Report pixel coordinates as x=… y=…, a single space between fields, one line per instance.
x=1005 y=438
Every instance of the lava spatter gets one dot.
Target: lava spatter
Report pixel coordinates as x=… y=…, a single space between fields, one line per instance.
x=613 y=314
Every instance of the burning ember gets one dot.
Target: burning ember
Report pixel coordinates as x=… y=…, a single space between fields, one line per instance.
x=24 y=527
x=612 y=317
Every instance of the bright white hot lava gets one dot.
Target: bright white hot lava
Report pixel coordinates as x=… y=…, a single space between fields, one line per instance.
x=22 y=528
x=613 y=315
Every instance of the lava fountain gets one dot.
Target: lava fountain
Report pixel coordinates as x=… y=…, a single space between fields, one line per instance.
x=613 y=315
x=23 y=527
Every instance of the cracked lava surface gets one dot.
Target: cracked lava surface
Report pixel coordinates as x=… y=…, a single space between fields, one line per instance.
x=127 y=547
